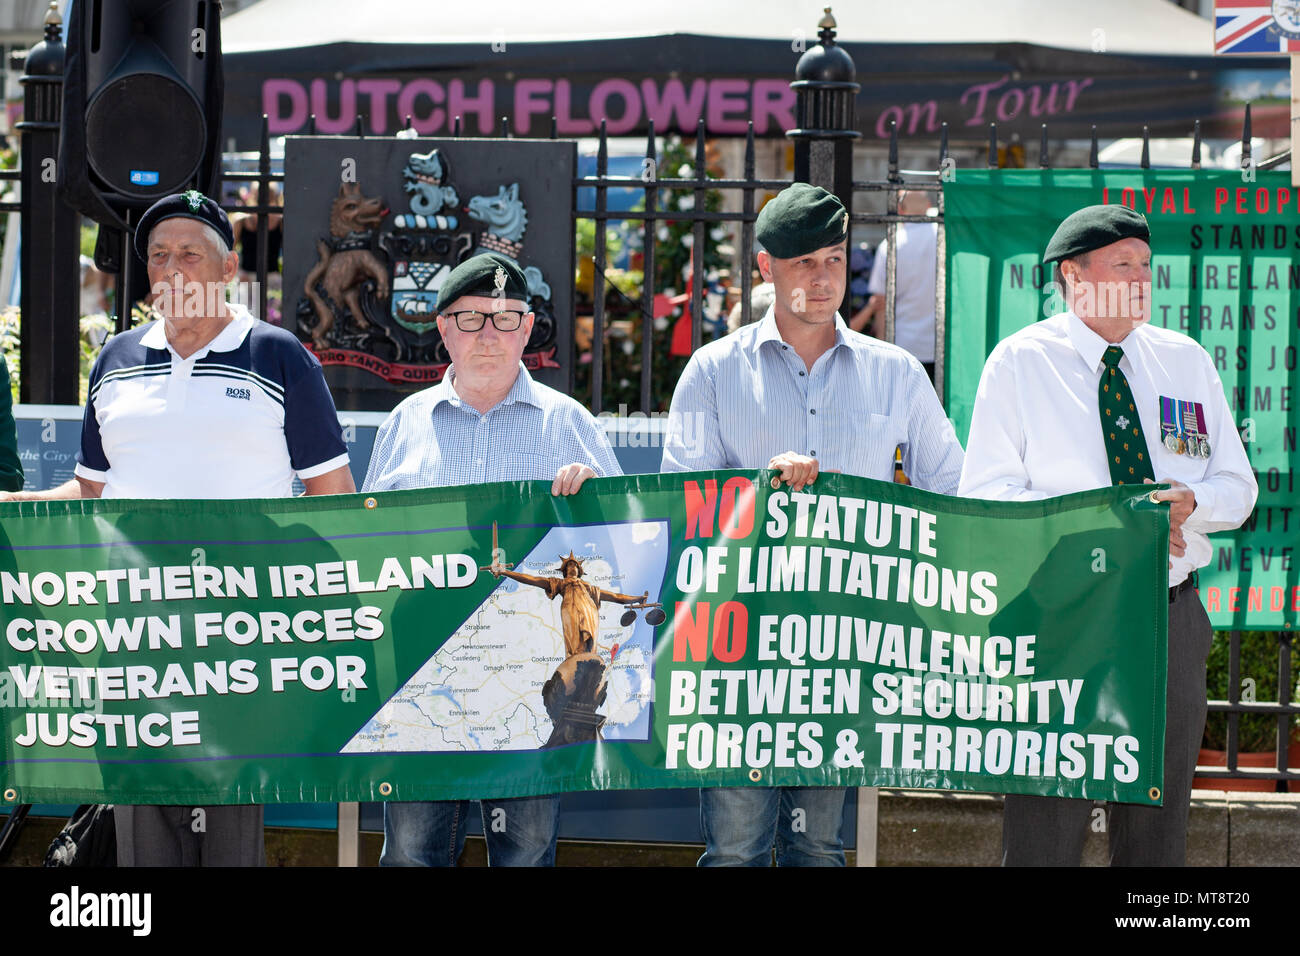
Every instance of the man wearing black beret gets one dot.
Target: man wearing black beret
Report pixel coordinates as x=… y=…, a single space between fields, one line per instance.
x=205 y=401
x=487 y=420
x=800 y=392
x=1093 y=397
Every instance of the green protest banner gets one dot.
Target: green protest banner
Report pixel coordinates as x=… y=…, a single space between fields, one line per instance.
x=651 y=631
x=1224 y=272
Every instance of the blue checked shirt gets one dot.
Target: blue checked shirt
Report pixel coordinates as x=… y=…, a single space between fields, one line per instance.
x=433 y=439
x=748 y=397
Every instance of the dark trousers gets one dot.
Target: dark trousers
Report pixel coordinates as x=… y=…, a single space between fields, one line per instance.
x=1050 y=831
x=177 y=836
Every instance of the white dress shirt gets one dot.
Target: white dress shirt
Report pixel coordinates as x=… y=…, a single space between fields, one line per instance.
x=1036 y=431
x=914 y=292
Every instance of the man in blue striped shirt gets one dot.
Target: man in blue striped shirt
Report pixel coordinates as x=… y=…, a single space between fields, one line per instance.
x=487 y=420
x=800 y=392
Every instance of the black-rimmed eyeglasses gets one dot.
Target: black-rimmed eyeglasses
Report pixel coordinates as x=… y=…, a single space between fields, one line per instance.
x=471 y=321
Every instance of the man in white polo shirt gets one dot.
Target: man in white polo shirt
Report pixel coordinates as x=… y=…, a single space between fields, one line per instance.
x=204 y=402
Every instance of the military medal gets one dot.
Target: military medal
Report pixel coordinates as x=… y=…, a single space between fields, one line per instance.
x=1194 y=416
x=1184 y=428
x=1170 y=426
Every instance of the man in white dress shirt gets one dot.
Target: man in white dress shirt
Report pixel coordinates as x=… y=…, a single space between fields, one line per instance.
x=1093 y=397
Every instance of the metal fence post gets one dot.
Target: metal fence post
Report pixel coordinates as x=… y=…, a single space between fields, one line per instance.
x=349 y=831
x=825 y=92
x=50 y=324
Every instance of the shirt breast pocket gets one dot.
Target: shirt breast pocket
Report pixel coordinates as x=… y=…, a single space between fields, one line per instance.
x=871 y=455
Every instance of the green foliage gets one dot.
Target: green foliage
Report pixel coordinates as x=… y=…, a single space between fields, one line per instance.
x=1259 y=661
x=95 y=331
x=10 y=324
x=624 y=323
x=89 y=233
x=673 y=251
x=585 y=241
x=8 y=189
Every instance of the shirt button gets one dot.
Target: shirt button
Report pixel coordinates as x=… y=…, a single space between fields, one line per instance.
x=812 y=411
x=801 y=374
x=813 y=453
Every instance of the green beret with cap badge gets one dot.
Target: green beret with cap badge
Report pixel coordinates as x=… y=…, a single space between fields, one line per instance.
x=1093 y=227
x=487 y=274
x=800 y=219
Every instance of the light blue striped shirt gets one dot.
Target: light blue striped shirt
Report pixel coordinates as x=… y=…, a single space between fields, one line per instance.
x=748 y=397
x=434 y=439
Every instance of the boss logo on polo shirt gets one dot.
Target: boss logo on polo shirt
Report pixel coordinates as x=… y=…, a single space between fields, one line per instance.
x=245 y=393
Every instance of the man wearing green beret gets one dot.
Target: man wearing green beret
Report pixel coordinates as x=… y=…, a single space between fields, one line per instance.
x=800 y=392
x=1092 y=397
x=487 y=420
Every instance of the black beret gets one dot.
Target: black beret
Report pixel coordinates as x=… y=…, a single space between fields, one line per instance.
x=486 y=274
x=190 y=204
x=800 y=219
x=1093 y=227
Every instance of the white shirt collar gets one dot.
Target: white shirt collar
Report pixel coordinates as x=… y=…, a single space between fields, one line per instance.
x=228 y=339
x=1091 y=346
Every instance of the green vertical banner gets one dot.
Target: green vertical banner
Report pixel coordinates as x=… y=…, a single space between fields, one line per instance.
x=650 y=631
x=1225 y=272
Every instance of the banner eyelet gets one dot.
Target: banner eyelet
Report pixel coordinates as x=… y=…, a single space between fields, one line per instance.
x=385 y=789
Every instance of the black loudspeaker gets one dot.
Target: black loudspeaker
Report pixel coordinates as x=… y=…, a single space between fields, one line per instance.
x=142 y=104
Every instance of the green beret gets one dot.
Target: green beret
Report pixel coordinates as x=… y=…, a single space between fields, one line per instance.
x=800 y=219
x=1093 y=227
x=489 y=275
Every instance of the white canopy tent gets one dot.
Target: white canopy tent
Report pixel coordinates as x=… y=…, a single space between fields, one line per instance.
x=1118 y=26
x=1118 y=65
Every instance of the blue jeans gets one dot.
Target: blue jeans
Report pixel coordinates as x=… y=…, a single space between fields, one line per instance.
x=740 y=824
x=519 y=832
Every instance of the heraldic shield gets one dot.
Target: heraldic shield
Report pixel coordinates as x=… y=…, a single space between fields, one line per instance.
x=369 y=301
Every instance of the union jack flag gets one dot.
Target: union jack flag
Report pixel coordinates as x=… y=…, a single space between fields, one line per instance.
x=1256 y=26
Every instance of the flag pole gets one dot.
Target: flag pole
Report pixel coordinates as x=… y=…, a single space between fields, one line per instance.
x=1295 y=115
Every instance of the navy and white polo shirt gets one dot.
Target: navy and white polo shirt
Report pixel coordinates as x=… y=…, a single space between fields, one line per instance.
x=236 y=419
